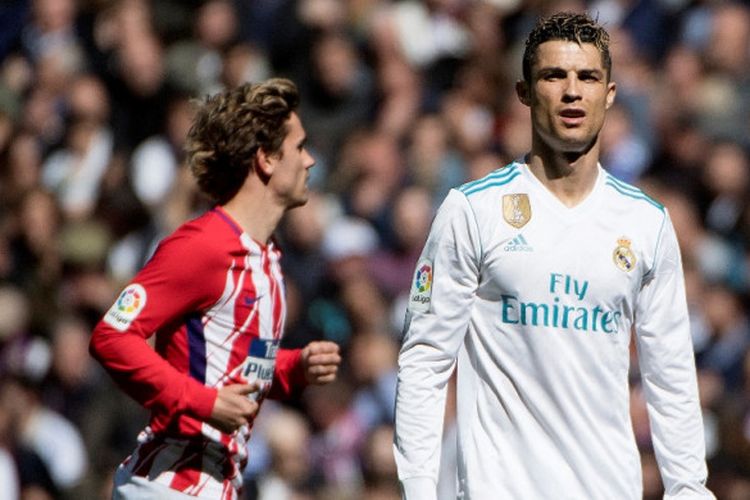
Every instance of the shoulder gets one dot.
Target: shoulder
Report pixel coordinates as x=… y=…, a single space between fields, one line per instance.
x=483 y=197
x=205 y=238
x=634 y=199
x=501 y=179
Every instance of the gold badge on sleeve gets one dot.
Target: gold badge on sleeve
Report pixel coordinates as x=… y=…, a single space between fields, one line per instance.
x=516 y=209
x=623 y=255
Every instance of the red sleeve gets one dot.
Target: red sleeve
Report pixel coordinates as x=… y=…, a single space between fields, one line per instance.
x=175 y=282
x=288 y=374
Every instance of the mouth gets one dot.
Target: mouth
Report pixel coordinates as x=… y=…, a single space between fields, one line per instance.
x=572 y=116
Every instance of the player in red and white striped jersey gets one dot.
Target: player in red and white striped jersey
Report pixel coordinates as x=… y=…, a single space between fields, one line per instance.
x=213 y=296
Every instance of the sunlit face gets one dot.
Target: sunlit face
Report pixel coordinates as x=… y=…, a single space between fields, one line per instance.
x=291 y=165
x=569 y=94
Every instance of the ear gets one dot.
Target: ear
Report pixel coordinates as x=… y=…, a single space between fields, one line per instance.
x=522 y=91
x=611 y=92
x=264 y=163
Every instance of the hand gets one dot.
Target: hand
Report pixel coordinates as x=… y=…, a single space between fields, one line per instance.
x=233 y=408
x=321 y=360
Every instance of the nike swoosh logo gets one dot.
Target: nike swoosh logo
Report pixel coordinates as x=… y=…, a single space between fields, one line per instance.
x=252 y=300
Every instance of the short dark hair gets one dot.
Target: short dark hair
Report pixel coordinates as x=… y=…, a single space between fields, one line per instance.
x=571 y=27
x=231 y=126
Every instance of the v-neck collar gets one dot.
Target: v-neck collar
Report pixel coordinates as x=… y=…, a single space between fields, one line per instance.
x=554 y=203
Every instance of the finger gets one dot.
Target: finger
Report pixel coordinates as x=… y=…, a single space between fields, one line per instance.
x=253 y=409
x=322 y=346
x=324 y=359
x=324 y=379
x=331 y=347
x=243 y=389
x=230 y=427
x=323 y=369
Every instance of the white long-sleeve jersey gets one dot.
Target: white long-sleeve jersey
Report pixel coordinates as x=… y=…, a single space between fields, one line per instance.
x=535 y=303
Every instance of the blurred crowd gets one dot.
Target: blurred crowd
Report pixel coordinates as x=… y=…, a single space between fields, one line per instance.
x=402 y=100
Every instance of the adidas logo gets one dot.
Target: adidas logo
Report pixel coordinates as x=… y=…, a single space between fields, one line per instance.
x=518 y=244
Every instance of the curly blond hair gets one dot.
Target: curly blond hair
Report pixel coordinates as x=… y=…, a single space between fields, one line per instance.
x=231 y=126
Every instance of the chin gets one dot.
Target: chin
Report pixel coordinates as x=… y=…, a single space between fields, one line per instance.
x=575 y=144
x=298 y=202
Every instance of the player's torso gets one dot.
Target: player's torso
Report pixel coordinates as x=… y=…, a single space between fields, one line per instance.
x=235 y=339
x=546 y=268
x=230 y=337
x=550 y=328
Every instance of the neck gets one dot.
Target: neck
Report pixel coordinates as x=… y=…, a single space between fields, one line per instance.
x=569 y=176
x=255 y=212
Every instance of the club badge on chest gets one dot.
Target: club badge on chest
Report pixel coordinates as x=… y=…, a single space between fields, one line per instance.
x=623 y=255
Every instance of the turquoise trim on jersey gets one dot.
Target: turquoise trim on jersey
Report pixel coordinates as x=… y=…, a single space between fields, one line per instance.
x=631 y=191
x=491 y=184
x=499 y=177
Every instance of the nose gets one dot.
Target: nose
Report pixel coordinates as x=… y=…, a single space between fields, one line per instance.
x=572 y=88
x=309 y=160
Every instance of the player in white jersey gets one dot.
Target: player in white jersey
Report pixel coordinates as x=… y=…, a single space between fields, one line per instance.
x=531 y=282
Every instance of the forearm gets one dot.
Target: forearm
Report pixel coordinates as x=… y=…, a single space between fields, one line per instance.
x=677 y=427
x=147 y=377
x=420 y=407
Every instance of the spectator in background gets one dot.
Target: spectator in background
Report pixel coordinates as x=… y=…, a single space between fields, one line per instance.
x=337 y=97
x=195 y=64
x=372 y=364
x=287 y=435
x=626 y=155
x=374 y=174
x=29 y=475
x=337 y=439
x=379 y=467
x=140 y=90
x=410 y=222
x=433 y=162
x=75 y=171
x=727 y=179
x=730 y=336
x=51 y=436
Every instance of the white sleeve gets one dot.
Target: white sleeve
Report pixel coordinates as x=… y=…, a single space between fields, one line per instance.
x=442 y=293
x=667 y=366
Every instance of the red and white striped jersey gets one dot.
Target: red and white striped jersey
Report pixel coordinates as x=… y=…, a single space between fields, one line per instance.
x=214 y=299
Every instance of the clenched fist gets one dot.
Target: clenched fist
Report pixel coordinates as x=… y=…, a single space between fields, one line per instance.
x=321 y=360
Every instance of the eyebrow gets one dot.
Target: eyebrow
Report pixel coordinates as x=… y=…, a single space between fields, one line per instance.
x=557 y=69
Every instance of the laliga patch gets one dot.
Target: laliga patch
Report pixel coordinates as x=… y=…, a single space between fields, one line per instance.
x=126 y=308
x=421 y=287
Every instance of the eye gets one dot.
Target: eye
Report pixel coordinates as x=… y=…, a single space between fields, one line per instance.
x=552 y=75
x=587 y=76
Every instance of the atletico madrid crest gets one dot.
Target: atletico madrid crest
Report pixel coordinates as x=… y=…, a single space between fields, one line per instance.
x=623 y=256
x=516 y=209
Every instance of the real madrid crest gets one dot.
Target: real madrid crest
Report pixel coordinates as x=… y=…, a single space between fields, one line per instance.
x=516 y=209
x=623 y=255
